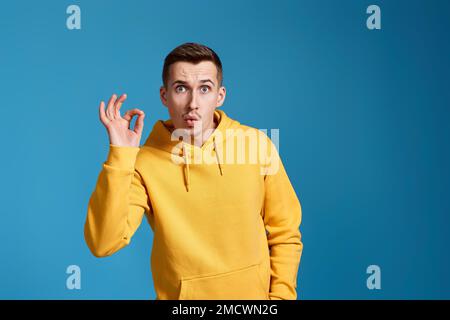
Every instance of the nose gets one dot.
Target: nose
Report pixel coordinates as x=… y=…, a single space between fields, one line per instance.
x=193 y=102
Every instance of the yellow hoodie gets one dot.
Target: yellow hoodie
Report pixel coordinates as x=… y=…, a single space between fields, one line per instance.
x=223 y=228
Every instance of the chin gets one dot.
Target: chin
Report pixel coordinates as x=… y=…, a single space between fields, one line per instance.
x=195 y=131
x=192 y=131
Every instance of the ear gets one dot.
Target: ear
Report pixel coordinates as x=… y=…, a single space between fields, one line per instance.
x=221 y=96
x=163 y=95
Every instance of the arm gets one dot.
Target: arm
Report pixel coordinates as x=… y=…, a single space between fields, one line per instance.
x=117 y=205
x=282 y=217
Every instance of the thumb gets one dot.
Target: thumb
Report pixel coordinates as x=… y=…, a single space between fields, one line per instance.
x=139 y=125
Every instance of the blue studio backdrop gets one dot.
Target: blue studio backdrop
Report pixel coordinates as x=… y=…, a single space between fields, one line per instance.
x=364 y=128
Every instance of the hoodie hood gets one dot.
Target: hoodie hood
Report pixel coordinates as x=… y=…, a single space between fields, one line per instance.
x=185 y=153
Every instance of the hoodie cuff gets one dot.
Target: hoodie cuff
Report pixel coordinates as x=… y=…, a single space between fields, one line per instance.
x=122 y=157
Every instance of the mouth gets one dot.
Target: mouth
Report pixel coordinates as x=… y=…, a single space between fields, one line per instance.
x=190 y=120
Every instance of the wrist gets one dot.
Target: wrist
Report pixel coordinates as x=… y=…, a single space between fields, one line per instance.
x=122 y=156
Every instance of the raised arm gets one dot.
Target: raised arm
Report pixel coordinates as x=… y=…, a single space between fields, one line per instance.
x=119 y=200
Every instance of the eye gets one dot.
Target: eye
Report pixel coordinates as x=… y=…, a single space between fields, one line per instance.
x=204 y=89
x=180 y=89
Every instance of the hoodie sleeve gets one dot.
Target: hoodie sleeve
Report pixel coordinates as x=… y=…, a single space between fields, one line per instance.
x=282 y=218
x=117 y=205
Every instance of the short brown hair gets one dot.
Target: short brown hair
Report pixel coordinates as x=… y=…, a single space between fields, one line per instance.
x=194 y=53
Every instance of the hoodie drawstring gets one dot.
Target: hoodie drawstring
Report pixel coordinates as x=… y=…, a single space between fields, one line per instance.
x=217 y=156
x=186 y=167
x=186 y=157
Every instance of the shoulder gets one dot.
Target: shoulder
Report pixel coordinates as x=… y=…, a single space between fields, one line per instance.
x=146 y=154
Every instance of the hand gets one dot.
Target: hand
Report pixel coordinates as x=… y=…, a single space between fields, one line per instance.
x=118 y=127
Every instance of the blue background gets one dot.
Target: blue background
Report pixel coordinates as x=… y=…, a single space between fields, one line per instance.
x=363 y=118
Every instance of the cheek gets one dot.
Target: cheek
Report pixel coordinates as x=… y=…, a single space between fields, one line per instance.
x=209 y=99
x=176 y=100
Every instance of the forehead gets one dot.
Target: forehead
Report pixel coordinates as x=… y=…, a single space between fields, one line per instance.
x=190 y=72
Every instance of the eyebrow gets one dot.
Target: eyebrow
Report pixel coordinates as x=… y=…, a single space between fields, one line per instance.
x=184 y=82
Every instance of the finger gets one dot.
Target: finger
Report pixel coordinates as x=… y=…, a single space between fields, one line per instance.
x=109 y=110
x=118 y=104
x=130 y=113
x=139 y=125
x=127 y=116
x=101 y=111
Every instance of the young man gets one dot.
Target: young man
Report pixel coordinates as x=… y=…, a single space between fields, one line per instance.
x=225 y=226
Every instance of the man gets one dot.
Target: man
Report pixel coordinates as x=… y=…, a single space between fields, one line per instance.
x=225 y=226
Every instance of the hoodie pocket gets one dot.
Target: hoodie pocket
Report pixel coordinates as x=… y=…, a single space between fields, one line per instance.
x=241 y=284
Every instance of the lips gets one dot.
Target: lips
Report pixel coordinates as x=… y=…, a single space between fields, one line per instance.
x=191 y=118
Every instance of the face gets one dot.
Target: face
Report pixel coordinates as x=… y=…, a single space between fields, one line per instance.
x=192 y=95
